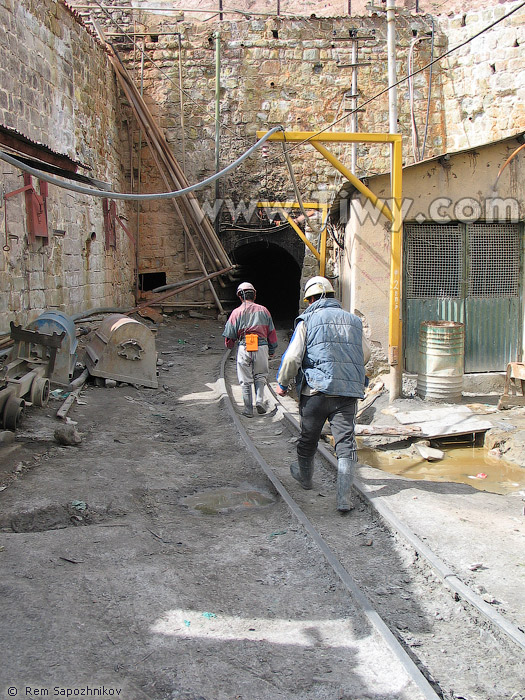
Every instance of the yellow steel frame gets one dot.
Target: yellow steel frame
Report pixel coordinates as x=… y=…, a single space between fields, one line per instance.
x=394 y=215
x=282 y=206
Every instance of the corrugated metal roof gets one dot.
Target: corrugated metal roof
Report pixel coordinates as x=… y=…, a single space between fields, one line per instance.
x=42 y=147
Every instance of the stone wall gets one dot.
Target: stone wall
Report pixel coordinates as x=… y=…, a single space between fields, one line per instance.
x=483 y=83
x=58 y=89
x=293 y=72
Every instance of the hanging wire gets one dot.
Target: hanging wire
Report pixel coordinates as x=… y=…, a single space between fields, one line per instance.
x=406 y=77
x=432 y=40
x=179 y=87
x=137 y=197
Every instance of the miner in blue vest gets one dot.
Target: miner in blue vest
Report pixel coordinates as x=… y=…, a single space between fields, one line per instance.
x=327 y=356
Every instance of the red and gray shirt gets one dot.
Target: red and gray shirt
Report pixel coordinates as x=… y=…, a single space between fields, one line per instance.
x=247 y=318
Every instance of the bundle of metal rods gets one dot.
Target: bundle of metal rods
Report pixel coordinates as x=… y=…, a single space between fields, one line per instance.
x=197 y=226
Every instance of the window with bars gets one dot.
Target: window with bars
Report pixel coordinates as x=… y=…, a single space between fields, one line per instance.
x=439 y=257
x=434 y=260
x=494 y=260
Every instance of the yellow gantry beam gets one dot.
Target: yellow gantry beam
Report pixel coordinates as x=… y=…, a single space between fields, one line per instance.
x=394 y=216
x=330 y=137
x=282 y=206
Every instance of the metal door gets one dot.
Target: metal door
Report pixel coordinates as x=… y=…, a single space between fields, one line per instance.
x=467 y=273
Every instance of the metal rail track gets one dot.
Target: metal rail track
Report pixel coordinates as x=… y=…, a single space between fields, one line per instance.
x=413 y=664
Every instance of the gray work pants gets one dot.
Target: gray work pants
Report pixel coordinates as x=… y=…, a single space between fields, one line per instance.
x=252 y=366
x=339 y=411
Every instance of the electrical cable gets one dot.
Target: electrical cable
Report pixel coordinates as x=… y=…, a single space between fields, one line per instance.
x=267 y=229
x=137 y=197
x=406 y=77
x=315 y=229
x=415 y=136
x=432 y=39
x=331 y=230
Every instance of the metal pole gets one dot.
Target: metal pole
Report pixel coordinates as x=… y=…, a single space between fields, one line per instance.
x=139 y=176
x=221 y=16
x=395 y=338
x=217 y=117
x=395 y=350
x=181 y=93
x=392 y=73
x=354 y=103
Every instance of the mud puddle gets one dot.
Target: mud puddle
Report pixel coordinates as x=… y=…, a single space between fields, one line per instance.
x=222 y=500
x=462 y=465
x=56 y=517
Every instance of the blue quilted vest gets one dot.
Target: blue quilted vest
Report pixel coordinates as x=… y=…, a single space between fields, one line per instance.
x=333 y=362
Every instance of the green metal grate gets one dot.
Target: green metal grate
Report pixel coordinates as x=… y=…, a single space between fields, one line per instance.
x=494 y=260
x=434 y=261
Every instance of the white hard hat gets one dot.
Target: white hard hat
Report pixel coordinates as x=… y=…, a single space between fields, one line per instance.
x=245 y=287
x=317 y=285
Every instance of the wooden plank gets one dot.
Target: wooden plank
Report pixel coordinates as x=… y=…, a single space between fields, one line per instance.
x=432 y=414
x=466 y=426
x=507 y=401
x=405 y=431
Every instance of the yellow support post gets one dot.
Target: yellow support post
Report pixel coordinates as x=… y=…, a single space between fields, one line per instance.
x=395 y=335
x=395 y=325
x=322 y=243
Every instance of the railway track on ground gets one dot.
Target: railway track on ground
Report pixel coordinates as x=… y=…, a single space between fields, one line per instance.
x=448 y=640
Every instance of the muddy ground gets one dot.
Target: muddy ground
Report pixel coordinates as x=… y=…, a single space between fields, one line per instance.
x=110 y=578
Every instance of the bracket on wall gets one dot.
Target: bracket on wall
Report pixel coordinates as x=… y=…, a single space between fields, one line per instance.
x=109 y=207
x=36 y=208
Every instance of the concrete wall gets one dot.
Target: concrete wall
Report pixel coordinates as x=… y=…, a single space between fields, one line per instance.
x=463 y=188
x=58 y=89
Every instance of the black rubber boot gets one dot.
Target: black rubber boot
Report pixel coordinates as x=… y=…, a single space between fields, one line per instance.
x=302 y=471
x=345 y=479
x=259 y=396
x=247 y=400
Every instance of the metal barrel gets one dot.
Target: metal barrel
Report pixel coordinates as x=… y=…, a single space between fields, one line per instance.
x=441 y=360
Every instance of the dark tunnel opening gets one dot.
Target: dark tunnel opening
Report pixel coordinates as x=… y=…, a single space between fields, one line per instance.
x=276 y=276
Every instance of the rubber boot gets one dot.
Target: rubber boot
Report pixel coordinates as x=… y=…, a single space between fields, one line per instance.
x=345 y=479
x=302 y=471
x=247 y=400
x=259 y=395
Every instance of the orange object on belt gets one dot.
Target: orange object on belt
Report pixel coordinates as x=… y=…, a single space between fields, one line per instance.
x=252 y=342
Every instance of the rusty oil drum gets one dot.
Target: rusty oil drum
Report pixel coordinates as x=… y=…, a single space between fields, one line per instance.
x=441 y=360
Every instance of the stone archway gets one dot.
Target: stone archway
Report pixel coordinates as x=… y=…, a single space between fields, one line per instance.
x=272 y=261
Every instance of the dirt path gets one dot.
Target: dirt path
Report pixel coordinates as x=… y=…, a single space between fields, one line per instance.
x=112 y=578
x=112 y=581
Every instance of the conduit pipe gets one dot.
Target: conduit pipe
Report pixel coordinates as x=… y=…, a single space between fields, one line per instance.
x=217 y=118
x=394 y=326
x=109 y=194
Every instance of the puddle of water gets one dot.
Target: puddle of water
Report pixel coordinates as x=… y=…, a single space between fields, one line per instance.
x=461 y=465
x=219 y=500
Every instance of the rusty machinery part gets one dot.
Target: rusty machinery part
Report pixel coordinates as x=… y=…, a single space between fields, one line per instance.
x=12 y=413
x=39 y=392
x=130 y=349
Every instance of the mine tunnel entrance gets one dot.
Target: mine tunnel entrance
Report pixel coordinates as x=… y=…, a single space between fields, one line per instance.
x=276 y=276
